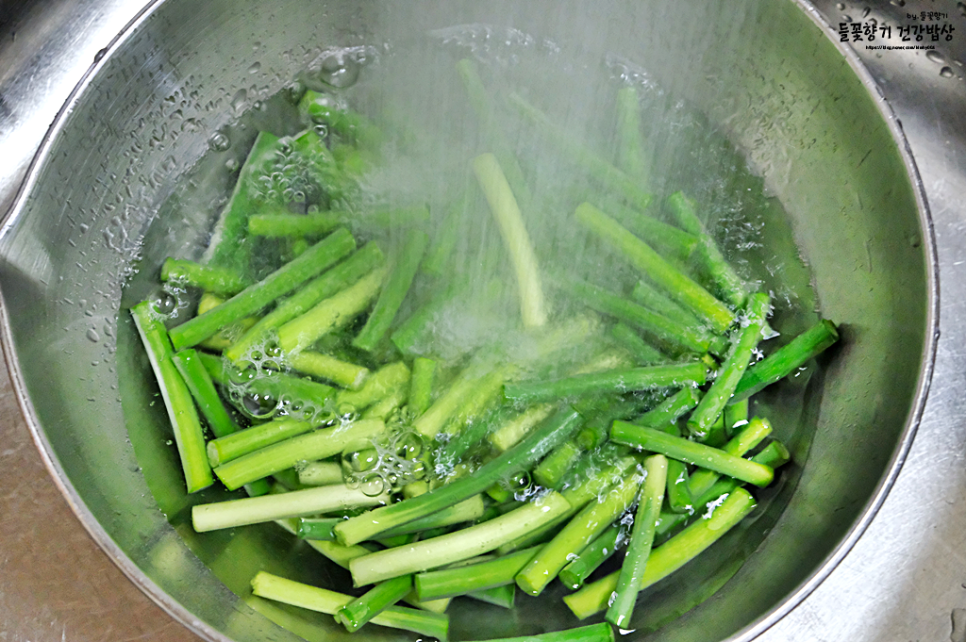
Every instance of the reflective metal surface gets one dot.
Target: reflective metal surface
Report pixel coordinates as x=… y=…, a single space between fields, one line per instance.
x=918 y=534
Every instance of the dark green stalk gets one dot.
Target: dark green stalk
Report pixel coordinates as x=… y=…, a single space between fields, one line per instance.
x=185 y=424
x=594 y=554
x=786 y=359
x=692 y=338
x=731 y=371
x=243 y=442
x=456 y=546
x=669 y=557
x=460 y=580
x=421 y=385
x=602 y=171
x=552 y=432
x=642 y=538
x=690 y=452
x=330 y=314
x=393 y=292
x=678 y=286
x=217 y=280
x=329 y=283
x=383 y=595
x=643 y=353
x=318 y=444
x=257 y=296
x=322 y=600
x=708 y=256
x=621 y=380
x=202 y=388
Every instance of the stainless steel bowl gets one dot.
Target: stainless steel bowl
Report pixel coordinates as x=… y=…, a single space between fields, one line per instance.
x=802 y=110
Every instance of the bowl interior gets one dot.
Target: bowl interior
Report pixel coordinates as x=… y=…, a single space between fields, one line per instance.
x=842 y=225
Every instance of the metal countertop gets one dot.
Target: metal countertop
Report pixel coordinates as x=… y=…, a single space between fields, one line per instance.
x=904 y=581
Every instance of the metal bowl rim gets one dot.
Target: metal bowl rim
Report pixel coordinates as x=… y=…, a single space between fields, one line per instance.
x=176 y=610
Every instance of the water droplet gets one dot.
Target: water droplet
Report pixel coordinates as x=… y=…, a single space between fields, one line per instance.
x=231 y=164
x=259 y=406
x=339 y=70
x=847 y=18
x=866 y=12
x=272 y=349
x=409 y=445
x=165 y=303
x=255 y=68
x=239 y=100
x=219 y=142
x=92 y=336
x=935 y=56
x=962 y=8
x=294 y=92
x=373 y=485
x=365 y=459
x=946 y=72
x=246 y=372
x=840 y=6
